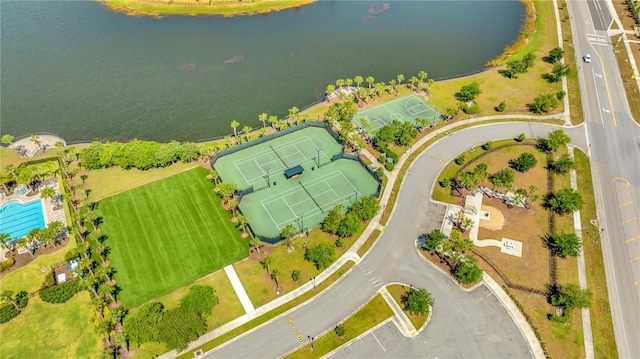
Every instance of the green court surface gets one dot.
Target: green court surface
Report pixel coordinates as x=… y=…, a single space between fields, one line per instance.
x=167 y=234
x=306 y=200
x=406 y=108
x=266 y=162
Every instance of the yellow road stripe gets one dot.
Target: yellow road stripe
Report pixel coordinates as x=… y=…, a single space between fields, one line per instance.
x=630 y=220
x=622 y=179
x=625 y=204
x=606 y=84
x=294 y=328
x=634 y=259
x=636 y=282
x=632 y=239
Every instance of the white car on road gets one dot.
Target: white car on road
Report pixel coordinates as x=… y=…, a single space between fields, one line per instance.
x=587 y=58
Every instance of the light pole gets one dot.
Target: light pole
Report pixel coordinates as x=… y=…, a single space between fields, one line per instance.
x=313 y=282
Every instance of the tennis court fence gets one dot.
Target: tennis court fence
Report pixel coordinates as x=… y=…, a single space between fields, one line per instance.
x=272 y=136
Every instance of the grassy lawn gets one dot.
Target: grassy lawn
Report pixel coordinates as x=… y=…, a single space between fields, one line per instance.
x=110 y=181
x=30 y=277
x=46 y=330
x=630 y=85
x=193 y=7
x=573 y=87
x=396 y=291
x=603 y=339
x=228 y=309
x=262 y=289
x=166 y=234
x=372 y=314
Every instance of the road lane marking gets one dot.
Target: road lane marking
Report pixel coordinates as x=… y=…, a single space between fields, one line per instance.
x=376 y=338
x=625 y=204
x=606 y=85
x=636 y=282
x=634 y=259
x=294 y=328
x=630 y=220
x=624 y=180
x=632 y=239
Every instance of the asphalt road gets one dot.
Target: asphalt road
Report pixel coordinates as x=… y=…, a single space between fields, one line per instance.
x=615 y=153
x=464 y=324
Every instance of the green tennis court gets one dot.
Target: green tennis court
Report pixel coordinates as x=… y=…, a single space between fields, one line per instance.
x=406 y=108
x=261 y=165
x=306 y=200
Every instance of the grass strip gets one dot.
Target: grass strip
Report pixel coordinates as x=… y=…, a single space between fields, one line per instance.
x=573 y=87
x=369 y=242
x=215 y=7
x=270 y=315
x=601 y=323
x=396 y=291
x=370 y=315
x=626 y=73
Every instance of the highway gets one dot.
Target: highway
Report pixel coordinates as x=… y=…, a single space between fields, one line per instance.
x=615 y=155
x=464 y=324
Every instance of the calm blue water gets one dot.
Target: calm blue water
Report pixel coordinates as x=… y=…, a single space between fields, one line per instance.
x=18 y=219
x=80 y=70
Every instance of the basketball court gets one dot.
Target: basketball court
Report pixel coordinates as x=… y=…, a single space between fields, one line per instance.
x=404 y=109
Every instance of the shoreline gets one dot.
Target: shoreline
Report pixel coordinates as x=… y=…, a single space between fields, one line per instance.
x=160 y=9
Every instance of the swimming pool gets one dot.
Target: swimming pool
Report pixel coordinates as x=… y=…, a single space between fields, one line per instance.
x=18 y=219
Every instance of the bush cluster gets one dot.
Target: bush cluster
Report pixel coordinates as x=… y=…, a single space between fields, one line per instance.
x=7 y=312
x=61 y=293
x=139 y=154
x=7 y=264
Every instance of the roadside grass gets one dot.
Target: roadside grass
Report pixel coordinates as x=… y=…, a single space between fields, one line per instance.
x=396 y=291
x=261 y=289
x=621 y=7
x=166 y=234
x=573 y=87
x=29 y=277
x=603 y=337
x=228 y=308
x=626 y=73
x=46 y=330
x=193 y=7
x=367 y=317
x=496 y=88
x=369 y=242
x=106 y=182
x=562 y=340
x=272 y=314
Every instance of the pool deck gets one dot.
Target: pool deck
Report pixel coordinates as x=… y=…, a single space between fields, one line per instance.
x=48 y=205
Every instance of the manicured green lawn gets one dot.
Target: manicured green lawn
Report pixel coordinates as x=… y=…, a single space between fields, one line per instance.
x=166 y=234
x=29 y=277
x=46 y=330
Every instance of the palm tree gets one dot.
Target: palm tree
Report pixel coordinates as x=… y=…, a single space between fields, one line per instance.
x=266 y=264
x=370 y=80
x=56 y=228
x=246 y=130
x=234 y=124
x=228 y=139
x=429 y=83
x=215 y=176
x=400 y=79
x=340 y=83
x=7 y=295
x=48 y=192
x=243 y=223
x=35 y=139
x=86 y=264
x=358 y=80
x=329 y=91
x=5 y=240
x=107 y=291
x=275 y=274
x=256 y=243
x=348 y=82
x=273 y=120
x=263 y=117
x=422 y=76
x=233 y=204
x=102 y=251
x=293 y=114
x=414 y=82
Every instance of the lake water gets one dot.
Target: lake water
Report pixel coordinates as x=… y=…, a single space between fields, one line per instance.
x=84 y=72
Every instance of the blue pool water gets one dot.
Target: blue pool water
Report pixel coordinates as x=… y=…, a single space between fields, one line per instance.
x=18 y=219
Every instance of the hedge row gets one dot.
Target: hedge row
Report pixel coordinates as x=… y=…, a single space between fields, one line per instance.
x=62 y=292
x=7 y=264
x=7 y=312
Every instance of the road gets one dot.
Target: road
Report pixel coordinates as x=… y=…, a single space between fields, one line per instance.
x=464 y=324
x=615 y=155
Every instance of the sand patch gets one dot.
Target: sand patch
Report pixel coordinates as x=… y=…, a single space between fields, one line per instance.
x=497 y=219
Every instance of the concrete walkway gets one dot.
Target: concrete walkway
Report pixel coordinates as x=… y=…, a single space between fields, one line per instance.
x=399 y=318
x=582 y=275
x=239 y=289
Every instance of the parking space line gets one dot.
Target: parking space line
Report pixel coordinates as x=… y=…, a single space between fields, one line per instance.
x=625 y=204
x=634 y=259
x=630 y=220
x=632 y=239
x=376 y=338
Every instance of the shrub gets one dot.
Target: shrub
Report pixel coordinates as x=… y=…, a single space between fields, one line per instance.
x=470 y=110
x=487 y=146
x=500 y=107
x=521 y=137
x=559 y=318
x=446 y=182
x=524 y=162
x=7 y=312
x=380 y=172
x=7 y=264
x=349 y=225
x=48 y=281
x=295 y=275
x=339 y=242
x=201 y=299
x=460 y=160
x=390 y=154
x=61 y=293
x=468 y=92
x=417 y=301
x=390 y=166
x=382 y=159
x=560 y=95
x=71 y=254
x=340 y=331
x=321 y=255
